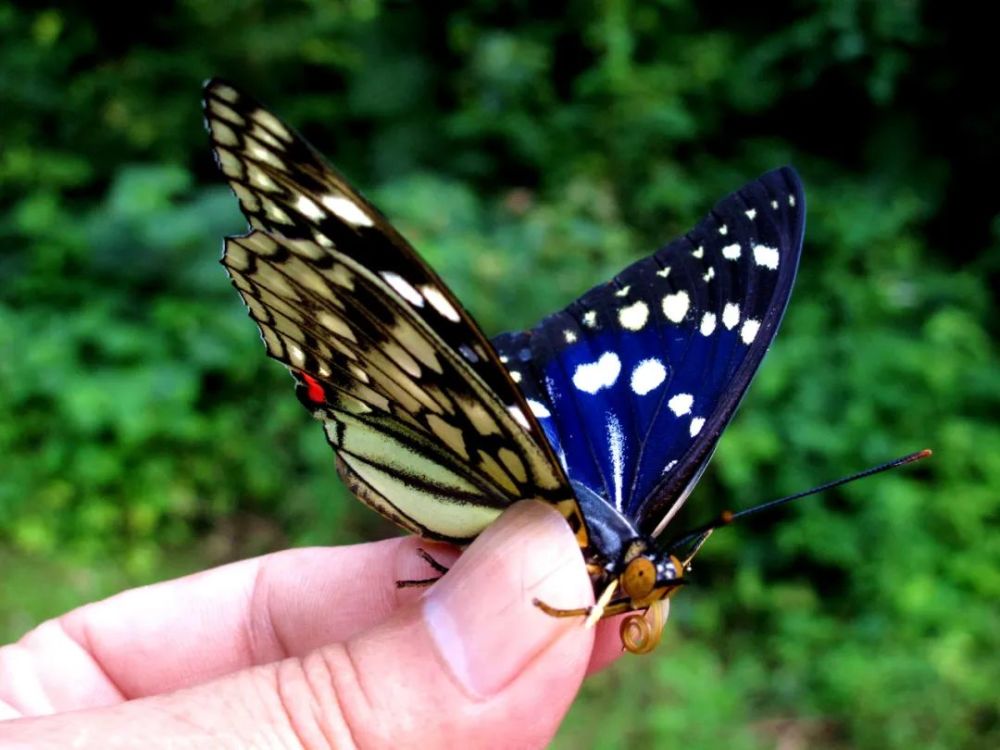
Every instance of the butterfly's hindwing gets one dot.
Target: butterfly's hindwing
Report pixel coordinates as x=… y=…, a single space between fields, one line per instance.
x=635 y=381
x=428 y=427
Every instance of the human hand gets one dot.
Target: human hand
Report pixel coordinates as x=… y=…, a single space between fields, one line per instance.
x=318 y=648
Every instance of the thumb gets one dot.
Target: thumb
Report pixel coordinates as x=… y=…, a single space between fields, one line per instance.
x=472 y=663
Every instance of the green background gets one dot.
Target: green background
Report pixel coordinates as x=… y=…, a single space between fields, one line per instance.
x=530 y=151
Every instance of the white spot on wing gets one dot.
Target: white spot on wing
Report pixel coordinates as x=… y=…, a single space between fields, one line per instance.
x=663 y=272
x=648 y=375
x=707 y=324
x=708 y=275
x=634 y=317
x=347 y=210
x=515 y=376
x=623 y=292
x=593 y=376
x=774 y=205
x=681 y=404
x=748 y=331
x=766 y=256
x=569 y=336
x=403 y=288
x=751 y=213
x=616 y=441
x=700 y=252
x=675 y=306
x=307 y=208
x=440 y=303
x=538 y=409
x=723 y=230
x=590 y=318
x=731 y=252
x=791 y=200
x=730 y=315
x=519 y=417
x=696 y=424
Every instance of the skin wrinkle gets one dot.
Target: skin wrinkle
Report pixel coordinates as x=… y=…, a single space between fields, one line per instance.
x=286 y=699
x=322 y=722
x=355 y=673
x=84 y=641
x=341 y=671
x=571 y=561
x=261 y=604
x=197 y=727
x=528 y=586
x=258 y=627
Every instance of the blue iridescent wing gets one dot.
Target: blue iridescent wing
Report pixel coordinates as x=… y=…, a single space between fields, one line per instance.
x=634 y=382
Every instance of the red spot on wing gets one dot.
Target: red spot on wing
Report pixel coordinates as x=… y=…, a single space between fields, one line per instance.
x=313 y=389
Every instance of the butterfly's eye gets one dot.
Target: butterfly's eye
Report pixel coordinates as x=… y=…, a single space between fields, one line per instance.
x=675 y=568
x=639 y=578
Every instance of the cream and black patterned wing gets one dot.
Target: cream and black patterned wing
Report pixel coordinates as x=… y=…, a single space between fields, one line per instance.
x=428 y=427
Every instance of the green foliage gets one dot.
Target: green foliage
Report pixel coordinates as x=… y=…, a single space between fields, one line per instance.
x=531 y=153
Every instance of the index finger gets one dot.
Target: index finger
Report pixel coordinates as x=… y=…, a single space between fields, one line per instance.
x=185 y=631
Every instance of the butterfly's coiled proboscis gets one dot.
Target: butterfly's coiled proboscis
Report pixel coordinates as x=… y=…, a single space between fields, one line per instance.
x=641 y=631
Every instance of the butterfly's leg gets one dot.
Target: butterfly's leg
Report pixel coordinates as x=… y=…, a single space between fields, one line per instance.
x=429 y=559
x=416 y=583
x=593 y=614
x=555 y=612
x=597 y=612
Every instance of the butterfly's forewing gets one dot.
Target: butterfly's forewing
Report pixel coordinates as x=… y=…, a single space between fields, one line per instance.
x=635 y=381
x=427 y=425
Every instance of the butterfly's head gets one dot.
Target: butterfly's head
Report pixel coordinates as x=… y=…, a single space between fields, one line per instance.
x=648 y=580
x=649 y=577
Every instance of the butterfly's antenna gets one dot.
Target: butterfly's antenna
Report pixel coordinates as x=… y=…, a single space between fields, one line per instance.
x=696 y=538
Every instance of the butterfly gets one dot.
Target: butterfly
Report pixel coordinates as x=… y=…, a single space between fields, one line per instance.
x=609 y=410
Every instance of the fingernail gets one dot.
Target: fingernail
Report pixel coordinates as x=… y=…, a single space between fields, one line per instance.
x=481 y=616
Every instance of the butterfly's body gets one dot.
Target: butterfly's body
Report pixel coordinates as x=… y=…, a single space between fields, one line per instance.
x=609 y=410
